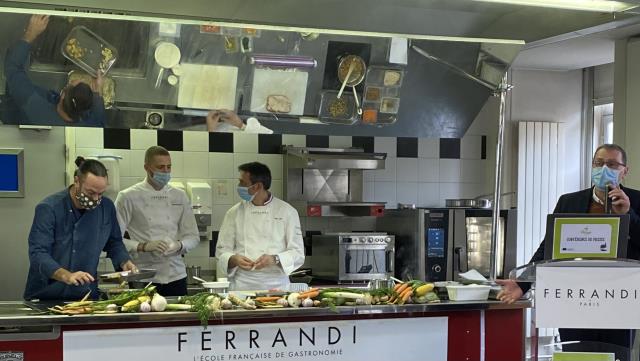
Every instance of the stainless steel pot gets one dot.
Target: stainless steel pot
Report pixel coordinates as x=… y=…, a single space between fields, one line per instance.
x=469 y=203
x=193 y=271
x=379 y=284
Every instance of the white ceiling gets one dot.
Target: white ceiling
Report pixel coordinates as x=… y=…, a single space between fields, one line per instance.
x=580 y=51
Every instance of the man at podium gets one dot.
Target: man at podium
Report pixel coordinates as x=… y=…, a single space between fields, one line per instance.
x=606 y=195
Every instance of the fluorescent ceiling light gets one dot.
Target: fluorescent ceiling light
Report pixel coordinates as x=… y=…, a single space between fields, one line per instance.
x=585 y=5
x=96 y=15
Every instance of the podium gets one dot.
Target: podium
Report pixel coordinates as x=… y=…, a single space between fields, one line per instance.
x=594 y=302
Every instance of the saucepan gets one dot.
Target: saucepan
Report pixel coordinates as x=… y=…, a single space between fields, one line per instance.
x=382 y=283
x=351 y=72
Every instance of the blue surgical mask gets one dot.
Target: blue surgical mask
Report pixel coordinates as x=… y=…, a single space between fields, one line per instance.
x=161 y=178
x=601 y=177
x=243 y=192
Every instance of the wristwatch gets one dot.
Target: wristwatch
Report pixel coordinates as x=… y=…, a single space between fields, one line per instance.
x=277 y=259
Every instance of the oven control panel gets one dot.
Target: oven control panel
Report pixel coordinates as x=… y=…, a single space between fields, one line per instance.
x=436 y=229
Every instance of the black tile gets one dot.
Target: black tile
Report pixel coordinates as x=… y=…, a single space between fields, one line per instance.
x=450 y=148
x=484 y=147
x=170 y=139
x=366 y=143
x=212 y=243
x=221 y=142
x=116 y=138
x=269 y=143
x=407 y=147
x=318 y=141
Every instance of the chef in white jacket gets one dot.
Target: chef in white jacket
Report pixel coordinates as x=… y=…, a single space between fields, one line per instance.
x=160 y=224
x=260 y=240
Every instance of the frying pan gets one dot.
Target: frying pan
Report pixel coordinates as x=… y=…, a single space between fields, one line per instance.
x=167 y=55
x=356 y=77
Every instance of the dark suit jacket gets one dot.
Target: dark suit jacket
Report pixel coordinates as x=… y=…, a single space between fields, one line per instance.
x=580 y=202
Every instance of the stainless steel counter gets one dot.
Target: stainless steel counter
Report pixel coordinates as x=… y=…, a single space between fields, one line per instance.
x=9 y=319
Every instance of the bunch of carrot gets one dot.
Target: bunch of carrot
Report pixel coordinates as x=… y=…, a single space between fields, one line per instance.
x=310 y=293
x=401 y=293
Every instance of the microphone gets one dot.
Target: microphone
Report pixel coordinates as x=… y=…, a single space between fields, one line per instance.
x=608 y=200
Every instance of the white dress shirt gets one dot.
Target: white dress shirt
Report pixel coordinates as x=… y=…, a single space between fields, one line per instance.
x=152 y=215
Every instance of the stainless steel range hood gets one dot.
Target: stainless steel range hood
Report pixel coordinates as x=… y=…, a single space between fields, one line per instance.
x=330 y=181
x=331 y=158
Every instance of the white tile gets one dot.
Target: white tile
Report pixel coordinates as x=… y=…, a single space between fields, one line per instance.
x=177 y=164
x=339 y=141
x=221 y=165
x=126 y=182
x=218 y=216
x=428 y=148
x=429 y=195
x=88 y=152
x=386 y=145
x=368 y=192
x=407 y=169
x=245 y=143
x=200 y=250
x=195 y=141
x=296 y=140
x=473 y=171
x=386 y=192
x=471 y=147
x=196 y=164
x=142 y=139
x=276 y=188
x=223 y=190
x=450 y=191
x=137 y=157
x=274 y=162
x=368 y=175
x=125 y=161
x=242 y=158
x=196 y=260
x=449 y=170
x=471 y=190
x=89 y=138
x=407 y=192
x=388 y=174
x=429 y=170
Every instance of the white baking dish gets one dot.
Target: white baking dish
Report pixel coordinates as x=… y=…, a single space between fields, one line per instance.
x=468 y=292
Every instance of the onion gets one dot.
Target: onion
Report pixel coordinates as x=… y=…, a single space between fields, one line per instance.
x=226 y=304
x=145 y=307
x=283 y=302
x=294 y=299
x=307 y=302
x=158 y=303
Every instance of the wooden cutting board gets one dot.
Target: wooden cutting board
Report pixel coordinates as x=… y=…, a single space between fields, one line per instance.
x=292 y=84
x=203 y=86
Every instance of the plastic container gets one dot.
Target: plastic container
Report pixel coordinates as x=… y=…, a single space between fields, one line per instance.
x=89 y=51
x=390 y=105
x=384 y=76
x=468 y=293
x=373 y=94
x=337 y=111
x=216 y=287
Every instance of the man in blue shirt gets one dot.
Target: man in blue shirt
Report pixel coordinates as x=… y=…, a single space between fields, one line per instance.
x=78 y=104
x=70 y=229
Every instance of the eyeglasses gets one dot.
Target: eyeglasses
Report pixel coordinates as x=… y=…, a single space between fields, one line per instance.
x=610 y=163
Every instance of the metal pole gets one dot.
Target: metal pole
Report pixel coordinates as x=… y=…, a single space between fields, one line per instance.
x=495 y=220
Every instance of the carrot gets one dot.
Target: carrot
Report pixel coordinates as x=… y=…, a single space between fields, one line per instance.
x=308 y=291
x=396 y=287
x=312 y=294
x=267 y=299
x=402 y=288
x=405 y=296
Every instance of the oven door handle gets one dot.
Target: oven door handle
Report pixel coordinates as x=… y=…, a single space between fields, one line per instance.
x=458 y=254
x=388 y=260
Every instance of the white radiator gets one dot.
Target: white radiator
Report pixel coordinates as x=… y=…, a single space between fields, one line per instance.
x=540 y=184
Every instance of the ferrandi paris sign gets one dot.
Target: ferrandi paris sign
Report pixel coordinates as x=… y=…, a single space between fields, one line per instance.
x=587 y=297
x=404 y=339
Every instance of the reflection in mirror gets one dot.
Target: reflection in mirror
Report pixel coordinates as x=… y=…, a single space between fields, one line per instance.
x=117 y=73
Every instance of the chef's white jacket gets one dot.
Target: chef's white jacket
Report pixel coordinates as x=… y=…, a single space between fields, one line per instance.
x=151 y=215
x=252 y=231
